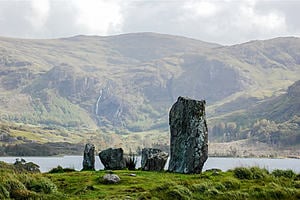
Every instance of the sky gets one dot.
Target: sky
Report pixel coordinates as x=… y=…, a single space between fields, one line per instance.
x=220 y=21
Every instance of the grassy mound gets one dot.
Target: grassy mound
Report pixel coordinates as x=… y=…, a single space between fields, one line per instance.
x=22 y=184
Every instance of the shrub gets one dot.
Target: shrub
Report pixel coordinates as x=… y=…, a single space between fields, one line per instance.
x=243 y=173
x=43 y=185
x=12 y=184
x=284 y=173
x=59 y=169
x=26 y=166
x=69 y=170
x=258 y=173
x=179 y=192
x=231 y=183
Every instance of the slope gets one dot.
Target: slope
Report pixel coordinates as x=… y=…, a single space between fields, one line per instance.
x=126 y=83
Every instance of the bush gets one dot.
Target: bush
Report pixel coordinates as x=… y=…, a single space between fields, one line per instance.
x=231 y=183
x=258 y=173
x=12 y=184
x=59 y=169
x=43 y=185
x=284 y=173
x=243 y=173
x=22 y=165
x=179 y=192
x=69 y=170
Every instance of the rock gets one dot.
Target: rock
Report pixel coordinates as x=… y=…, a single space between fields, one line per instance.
x=112 y=159
x=111 y=178
x=189 y=137
x=153 y=159
x=89 y=157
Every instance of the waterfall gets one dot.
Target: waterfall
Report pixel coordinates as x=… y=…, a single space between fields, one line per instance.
x=97 y=104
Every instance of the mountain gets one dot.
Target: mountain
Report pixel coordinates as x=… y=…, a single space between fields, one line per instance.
x=127 y=83
x=281 y=108
x=274 y=121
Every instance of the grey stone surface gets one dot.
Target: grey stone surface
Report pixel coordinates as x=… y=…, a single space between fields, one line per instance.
x=111 y=178
x=153 y=159
x=112 y=159
x=89 y=157
x=189 y=136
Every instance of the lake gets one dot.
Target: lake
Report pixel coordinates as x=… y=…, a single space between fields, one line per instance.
x=75 y=162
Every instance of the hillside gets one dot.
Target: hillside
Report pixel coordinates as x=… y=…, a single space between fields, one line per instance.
x=274 y=121
x=127 y=83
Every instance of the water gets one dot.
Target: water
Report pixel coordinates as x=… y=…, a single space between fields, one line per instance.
x=75 y=162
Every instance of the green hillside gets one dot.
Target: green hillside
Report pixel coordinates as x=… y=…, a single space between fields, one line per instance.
x=275 y=121
x=127 y=83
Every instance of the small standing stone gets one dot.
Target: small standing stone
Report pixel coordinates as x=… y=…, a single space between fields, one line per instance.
x=112 y=159
x=89 y=157
x=189 y=137
x=153 y=159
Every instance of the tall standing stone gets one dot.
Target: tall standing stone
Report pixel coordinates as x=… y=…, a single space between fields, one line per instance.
x=189 y=137
x=89 y=157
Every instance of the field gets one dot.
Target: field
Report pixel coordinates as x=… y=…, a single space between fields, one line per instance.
x=239 y=183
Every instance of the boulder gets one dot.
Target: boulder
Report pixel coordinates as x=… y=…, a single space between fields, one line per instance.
x=153 y=159
x=89 y=157
x=112 y=159
x=189 y=136
x=111 y=178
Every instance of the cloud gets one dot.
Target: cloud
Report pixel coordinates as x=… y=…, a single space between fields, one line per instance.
x=201 y=8
x=59 y=18
x=225 y=22
x=220 y=21
x=39 y=13
x=99 y=17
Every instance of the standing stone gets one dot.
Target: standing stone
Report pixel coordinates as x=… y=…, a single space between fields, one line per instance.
x=89 y=157
x=153 y=159
x=189 y=137
x=112 y=159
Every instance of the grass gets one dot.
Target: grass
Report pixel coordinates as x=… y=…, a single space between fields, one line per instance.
x=239 y=183
x=260 y=184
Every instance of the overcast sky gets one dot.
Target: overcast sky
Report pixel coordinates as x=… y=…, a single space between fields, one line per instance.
x=220 y=21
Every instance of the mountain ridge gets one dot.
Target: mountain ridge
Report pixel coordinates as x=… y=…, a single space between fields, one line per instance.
x=126 y=83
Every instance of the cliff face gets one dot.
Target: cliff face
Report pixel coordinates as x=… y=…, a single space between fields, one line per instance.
x=128 y=82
